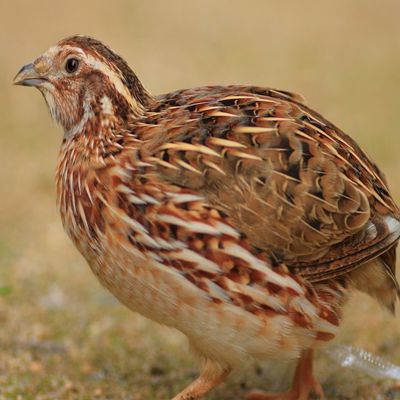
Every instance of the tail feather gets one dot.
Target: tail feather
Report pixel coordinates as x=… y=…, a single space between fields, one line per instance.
x=378 y=279
x=389 y=262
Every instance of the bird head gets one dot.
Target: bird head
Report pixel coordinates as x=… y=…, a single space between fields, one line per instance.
x=81 y=78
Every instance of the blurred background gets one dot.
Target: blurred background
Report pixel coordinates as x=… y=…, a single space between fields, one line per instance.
x=61 y=335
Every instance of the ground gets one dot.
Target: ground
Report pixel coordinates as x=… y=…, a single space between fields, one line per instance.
x=66 y=338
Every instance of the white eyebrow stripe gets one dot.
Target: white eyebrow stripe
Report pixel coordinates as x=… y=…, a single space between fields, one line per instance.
x=115 y=78
x=56 y=49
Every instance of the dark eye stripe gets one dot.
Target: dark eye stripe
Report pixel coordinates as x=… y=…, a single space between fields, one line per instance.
x=71 y=65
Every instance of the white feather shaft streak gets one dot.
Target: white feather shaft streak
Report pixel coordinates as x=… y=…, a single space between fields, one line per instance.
x=221 y=114
x=72 y=191
x=135 y=200
x=182 y=146
x=202 y=263
x=322 y=325
x=83 y=217
x=227 y=230
x=193 y=226
x=235 y=250
x=241 y=154
x=179 y=198
x=187 y=166
x=259 y=295
x=304 y=306
x=214 y=166
x=149 y=199
x=163 y=163
x=253 y=129
x=225 y=143
x=248 y=97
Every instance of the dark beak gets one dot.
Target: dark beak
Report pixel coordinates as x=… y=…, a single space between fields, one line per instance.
x=28 y=76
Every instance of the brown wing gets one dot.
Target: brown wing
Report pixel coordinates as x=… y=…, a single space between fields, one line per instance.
x=292 y=182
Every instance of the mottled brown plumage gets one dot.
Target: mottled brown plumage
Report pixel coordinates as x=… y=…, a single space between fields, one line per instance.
x=235 y=214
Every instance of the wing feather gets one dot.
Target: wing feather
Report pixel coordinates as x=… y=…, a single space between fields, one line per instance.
x=291 y=181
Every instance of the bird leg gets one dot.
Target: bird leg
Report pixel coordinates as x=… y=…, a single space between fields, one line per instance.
x=303 y=383
x=210 y=376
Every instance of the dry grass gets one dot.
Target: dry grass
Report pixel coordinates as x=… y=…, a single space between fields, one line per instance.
x=61 y=335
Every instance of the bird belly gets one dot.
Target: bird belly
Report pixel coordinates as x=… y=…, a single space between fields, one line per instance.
x=222 y=331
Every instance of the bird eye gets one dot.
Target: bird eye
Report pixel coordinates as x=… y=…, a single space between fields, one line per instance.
x=71 y=65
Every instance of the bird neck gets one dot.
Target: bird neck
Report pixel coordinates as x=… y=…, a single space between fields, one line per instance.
x=95 y=137
x=98 y=112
